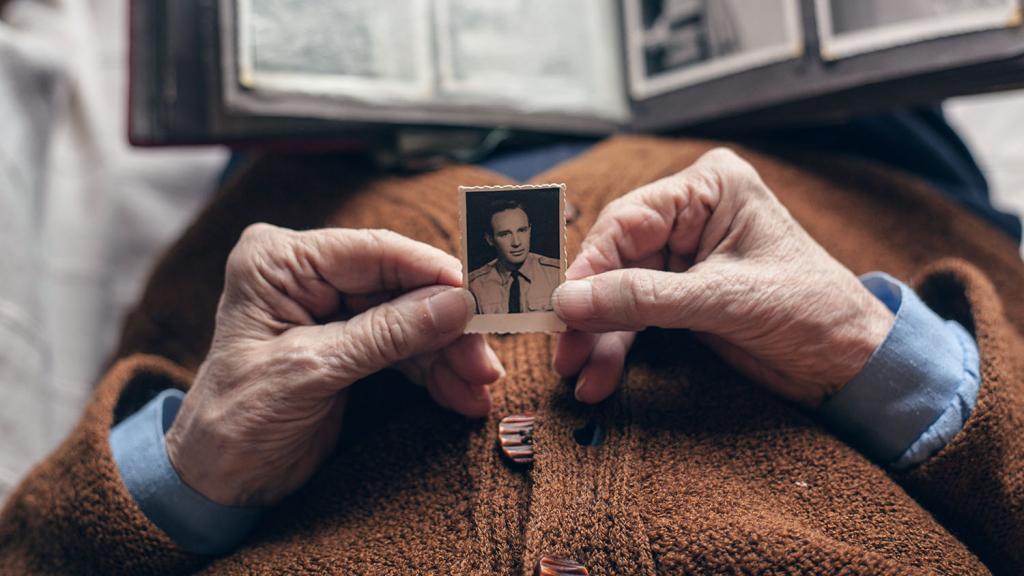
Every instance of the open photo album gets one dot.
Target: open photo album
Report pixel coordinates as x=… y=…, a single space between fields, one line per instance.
x=230 y=70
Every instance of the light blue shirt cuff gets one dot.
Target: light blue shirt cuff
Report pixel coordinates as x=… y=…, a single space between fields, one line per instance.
x=917 y=389
x=190 y=519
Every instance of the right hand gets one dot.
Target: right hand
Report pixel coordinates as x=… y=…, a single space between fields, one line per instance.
x=267 y=403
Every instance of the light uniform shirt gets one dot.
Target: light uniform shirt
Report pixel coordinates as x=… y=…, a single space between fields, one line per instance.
x=538 y=278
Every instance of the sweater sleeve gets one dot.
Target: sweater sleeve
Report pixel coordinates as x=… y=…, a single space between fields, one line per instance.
x=72 y=514
x=975 y=484
x=195 y=523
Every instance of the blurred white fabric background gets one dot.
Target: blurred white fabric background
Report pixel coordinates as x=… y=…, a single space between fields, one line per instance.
x=82 y=215
x=80 y=219
x=993 y=126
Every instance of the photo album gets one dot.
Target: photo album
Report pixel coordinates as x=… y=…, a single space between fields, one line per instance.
x=264 y=70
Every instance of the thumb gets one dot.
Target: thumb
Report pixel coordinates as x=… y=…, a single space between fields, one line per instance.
x=421 y=321
x=635 y=298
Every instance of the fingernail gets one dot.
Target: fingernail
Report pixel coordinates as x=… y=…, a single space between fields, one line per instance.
x=580 y=383
x=495 y=361
x=571 y=212
x=479 y=393
x=574 y=300
x=450 y=309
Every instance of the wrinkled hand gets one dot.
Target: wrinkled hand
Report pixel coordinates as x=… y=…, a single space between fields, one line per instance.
x=303 y=315
x=711 y=249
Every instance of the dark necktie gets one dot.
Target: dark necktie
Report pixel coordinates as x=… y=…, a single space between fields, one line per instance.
x=513 y=294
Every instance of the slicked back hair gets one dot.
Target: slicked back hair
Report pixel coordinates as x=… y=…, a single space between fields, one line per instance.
x=500 y=206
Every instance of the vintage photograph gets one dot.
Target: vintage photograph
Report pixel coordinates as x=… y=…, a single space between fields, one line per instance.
x=672 y=44
x=849 y=27
x=365 y=52
x=513 y=255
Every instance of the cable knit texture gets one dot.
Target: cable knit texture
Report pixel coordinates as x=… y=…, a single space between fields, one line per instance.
x=699 y=472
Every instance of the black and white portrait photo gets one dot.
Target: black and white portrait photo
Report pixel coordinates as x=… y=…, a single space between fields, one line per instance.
x=513 y=255
x=676 y=43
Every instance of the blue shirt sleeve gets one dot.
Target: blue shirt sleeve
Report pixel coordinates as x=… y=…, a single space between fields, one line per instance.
x=190 y=519
x=917 y=389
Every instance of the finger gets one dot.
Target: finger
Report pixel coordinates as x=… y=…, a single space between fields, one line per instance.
x=473 y=359
x=635 y=298
x=310 y=268
x=574 y=349
x=418 y=322
x=366 y=261
x=669 y=213
x=434 y=388
x=631 y=228
x=470 y=357
x=455 y=393
x=603 y=371
x=571 y=352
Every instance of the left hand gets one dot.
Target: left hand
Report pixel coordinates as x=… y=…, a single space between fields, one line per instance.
x=711 y=249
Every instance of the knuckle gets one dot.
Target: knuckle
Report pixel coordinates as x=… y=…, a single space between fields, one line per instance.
x=608 y=218
x=252 y=241
x=239 y=261
x=603 y=251
x=339 y=356
x=377 y=243
x=615 y=205
x=390 y=337
x=722 y=155
x=708 y=181
x=293 y=360
x=277 y=366
x=640 y=296
x=257 y=232
x=728 y=165
x=645 y=292
x=382 y=237
x=316 y=240
x=723 y=170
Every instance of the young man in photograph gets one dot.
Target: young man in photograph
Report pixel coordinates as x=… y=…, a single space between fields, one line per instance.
x=517 y=280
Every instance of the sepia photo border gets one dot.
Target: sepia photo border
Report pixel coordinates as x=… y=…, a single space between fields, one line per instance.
x=642 y=86
x=524 y=321
x=836 y=46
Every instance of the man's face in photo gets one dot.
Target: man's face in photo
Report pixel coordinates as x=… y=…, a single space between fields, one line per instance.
x=510 y=235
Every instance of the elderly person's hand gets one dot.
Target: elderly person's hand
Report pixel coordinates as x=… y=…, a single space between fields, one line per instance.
x=711 y=249
x=303 y=316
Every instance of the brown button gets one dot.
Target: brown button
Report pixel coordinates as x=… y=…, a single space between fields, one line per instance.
x=552 y=566
x=516 y=436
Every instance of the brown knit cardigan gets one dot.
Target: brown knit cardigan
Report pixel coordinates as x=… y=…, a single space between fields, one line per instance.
x=700 y=472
